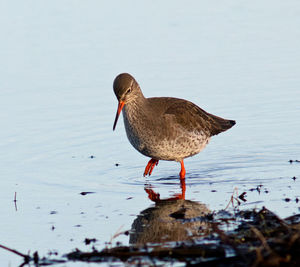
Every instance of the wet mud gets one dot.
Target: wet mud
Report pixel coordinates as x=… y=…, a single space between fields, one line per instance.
x=194 y=235
x=188 y=232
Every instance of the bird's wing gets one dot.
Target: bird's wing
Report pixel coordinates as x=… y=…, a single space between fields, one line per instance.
x=193 y=118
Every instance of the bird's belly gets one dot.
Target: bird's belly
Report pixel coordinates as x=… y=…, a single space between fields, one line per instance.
x=163 y=148
x=179 y=148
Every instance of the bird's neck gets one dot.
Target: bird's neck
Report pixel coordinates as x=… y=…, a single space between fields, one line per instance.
x=136 y=109
x=136 y=105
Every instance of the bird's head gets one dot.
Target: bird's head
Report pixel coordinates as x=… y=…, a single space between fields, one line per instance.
x=126 y=90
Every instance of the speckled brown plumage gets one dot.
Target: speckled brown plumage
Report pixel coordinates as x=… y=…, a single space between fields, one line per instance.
x=164 y=128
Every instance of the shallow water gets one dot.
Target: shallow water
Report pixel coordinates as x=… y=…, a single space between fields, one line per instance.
x=237 y=60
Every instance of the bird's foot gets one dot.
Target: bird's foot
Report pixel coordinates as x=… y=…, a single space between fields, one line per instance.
x=150 y=166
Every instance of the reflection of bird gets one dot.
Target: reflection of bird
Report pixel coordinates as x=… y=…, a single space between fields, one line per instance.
x=164 y=128
x=170 y=220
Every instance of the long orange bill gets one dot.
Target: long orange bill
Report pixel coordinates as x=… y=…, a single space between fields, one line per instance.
x=120 y=106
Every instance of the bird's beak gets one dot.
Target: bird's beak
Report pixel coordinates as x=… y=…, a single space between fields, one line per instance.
x=120 y=106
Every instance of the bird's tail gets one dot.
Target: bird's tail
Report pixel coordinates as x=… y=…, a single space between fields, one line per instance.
x=220 y=124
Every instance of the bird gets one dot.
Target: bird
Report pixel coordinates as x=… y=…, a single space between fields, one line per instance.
x=164 y=128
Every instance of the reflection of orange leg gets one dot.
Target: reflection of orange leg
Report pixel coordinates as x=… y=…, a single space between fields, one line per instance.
x=183 y=188
x=182 y=171
x=182 y=182
x=152 y=195
x=182 y=185
x=150 y=166
x=155 y=197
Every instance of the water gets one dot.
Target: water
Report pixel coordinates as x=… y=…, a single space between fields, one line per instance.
x=237 y=60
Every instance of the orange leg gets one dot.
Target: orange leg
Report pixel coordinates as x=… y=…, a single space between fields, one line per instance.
x=150 y=166
x=182 y=172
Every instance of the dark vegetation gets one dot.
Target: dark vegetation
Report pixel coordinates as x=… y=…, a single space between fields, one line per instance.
x=246 y=238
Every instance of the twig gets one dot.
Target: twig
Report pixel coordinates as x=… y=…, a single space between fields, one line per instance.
x=15 y=201
x=232 y=198
x=261 y=238
x=118 y=233
x=27 y=258
x=272 y=258
x=228 y=241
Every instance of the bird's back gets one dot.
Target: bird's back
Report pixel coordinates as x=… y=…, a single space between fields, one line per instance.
x=189 y=116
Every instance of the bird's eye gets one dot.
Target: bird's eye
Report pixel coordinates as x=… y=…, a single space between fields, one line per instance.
x=128 y=91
